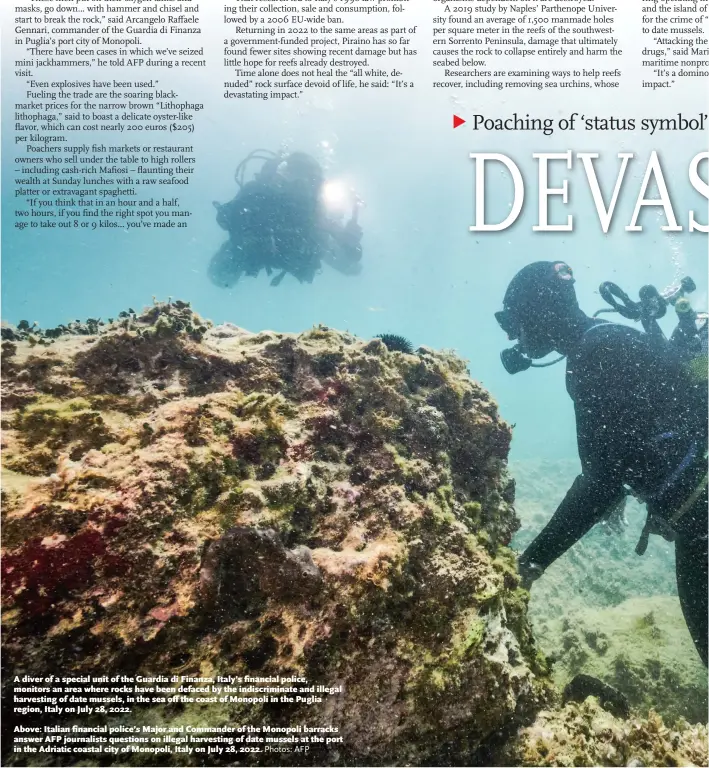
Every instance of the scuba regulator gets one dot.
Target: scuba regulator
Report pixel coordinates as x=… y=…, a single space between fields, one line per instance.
x=270 y=162
x=652 y=305
x=544 y=281
x=689 y=338
x=515 y=361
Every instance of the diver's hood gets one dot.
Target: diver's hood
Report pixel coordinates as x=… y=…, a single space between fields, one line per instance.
x=538 y=297
x=541 y=289
x=302 y=168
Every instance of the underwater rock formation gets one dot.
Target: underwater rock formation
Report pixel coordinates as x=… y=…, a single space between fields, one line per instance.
x=641 y=647
x=586 y=734
x=183 y=499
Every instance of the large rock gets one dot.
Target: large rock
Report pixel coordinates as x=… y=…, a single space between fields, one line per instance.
x=197 y=501
x=181 y=499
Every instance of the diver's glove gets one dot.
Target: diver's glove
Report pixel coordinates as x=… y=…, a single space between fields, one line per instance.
x=529 y=572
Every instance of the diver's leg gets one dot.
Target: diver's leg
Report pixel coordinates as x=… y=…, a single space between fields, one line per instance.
x=255 y=252
x=691 y=569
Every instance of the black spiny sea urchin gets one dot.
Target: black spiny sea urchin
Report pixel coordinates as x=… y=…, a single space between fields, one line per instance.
x=396 y=343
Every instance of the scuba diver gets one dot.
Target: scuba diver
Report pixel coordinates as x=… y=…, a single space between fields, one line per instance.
x=284 y=221
x=640 y=402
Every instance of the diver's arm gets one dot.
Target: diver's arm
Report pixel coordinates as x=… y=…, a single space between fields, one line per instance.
x=608 y=428
x=230 y=215
x=585 y=504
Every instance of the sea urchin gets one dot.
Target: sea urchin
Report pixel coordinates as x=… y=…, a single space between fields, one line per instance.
x=396 y=343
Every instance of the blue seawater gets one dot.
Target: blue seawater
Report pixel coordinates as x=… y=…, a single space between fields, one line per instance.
x=425 y=275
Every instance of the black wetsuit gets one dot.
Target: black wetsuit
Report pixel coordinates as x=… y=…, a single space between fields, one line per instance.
x=640 y=423
x=273 y=229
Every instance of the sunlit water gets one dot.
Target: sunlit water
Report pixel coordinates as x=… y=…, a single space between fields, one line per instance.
x=425 y=275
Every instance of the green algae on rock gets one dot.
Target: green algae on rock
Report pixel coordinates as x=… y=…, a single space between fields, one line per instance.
x=187 y=500
x=643 y=648
x=202 y=501
x=585 y=734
